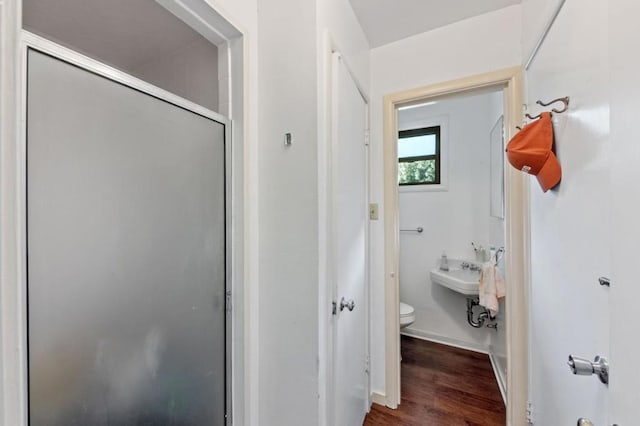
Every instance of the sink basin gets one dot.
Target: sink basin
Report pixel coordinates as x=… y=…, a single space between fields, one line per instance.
x=463 y=281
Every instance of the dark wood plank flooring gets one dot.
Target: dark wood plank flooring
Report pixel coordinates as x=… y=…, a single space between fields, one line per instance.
x=443 y=386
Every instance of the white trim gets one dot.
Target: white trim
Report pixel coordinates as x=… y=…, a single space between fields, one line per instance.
x=517 y=213
x=202 y=18
x=500 y=378
x=13 y=403
x=378 y=398
x=444 y=340
x=30 y=40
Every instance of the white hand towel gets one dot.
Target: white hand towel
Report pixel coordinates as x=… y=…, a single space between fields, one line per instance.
x=491 y=287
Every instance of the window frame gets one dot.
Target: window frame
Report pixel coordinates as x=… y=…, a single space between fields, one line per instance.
x=423 y=131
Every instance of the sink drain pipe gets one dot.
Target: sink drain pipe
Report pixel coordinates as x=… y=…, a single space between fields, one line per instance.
x=482 y=317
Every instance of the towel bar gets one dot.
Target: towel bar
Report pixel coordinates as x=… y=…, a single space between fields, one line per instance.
x=418 y=230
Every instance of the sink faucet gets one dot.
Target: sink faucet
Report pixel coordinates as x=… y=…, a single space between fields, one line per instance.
x=474 y=267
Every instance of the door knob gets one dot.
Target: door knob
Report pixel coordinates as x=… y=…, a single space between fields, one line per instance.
x=350 y=305
x=584 y=367
x=584 y=422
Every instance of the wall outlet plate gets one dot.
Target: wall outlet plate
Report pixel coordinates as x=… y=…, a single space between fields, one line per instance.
x=373 y=211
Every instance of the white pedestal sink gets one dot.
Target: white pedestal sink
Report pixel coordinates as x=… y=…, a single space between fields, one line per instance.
x=463 y=281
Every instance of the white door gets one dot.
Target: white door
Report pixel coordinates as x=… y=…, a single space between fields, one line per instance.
x=625 y=175
x=571 y=225
x=348 y=248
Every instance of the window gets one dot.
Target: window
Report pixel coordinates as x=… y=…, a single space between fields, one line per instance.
x=419 y=156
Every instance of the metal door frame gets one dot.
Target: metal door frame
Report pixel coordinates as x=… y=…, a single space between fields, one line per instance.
x=30 y=41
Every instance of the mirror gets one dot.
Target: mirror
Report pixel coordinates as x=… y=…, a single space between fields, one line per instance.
x=496 y=138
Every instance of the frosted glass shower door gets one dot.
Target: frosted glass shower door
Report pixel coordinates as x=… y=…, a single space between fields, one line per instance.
x=126 y=254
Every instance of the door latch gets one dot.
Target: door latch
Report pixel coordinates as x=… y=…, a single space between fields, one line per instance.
x=584 y=367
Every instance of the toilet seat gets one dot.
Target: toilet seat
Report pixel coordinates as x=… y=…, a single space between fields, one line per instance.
x=407 y=314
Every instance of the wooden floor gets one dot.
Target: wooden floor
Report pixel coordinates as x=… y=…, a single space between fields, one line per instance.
x=443 y=386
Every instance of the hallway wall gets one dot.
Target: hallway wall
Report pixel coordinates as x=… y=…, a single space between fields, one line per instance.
x=292 y=99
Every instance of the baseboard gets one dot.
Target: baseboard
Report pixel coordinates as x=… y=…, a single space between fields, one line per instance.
x=500 y=378
x=418 y=334
x=378 y=398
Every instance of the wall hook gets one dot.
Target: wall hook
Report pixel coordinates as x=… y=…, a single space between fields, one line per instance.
x=564 y=100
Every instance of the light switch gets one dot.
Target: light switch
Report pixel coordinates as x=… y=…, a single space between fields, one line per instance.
x=373 y=211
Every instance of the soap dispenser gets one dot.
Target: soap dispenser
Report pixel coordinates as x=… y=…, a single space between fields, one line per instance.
x=444 y=263
x=492 y=255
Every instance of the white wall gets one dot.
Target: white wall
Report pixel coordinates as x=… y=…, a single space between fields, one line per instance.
x=571 y=225
x=473 y=46
x=293 y=99
x=288 y=200
x=190 y=72
x=243 y=14
x=451 y=218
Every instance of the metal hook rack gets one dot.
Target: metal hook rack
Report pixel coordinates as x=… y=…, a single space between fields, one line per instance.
x=564 y=100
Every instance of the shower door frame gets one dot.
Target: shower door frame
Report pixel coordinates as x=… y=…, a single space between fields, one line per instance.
x=30 y=41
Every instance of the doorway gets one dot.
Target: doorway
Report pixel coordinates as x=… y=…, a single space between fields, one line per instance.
x=516 y=234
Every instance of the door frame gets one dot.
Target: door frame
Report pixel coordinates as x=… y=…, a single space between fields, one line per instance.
x=325 y=210
x=218 y=27
x=517 y=236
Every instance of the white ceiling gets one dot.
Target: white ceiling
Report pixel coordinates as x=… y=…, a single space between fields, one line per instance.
x=123 y=33
x=386 y=21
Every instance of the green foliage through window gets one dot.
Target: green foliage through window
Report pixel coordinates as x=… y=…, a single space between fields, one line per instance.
x=419 y=156
x=417 y=172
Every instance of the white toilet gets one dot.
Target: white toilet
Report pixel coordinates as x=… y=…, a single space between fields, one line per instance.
x=407 y=315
